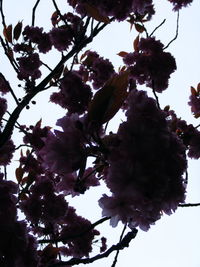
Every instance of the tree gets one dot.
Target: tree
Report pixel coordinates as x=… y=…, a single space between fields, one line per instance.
x=143 y=163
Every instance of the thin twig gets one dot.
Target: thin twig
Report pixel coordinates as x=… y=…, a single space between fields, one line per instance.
x=145 y=30
x=23 y=146
x=33 y=13
x=44 y=64
x=5 y=172
x=155 y=95
x=2 y=14
x=189 y=205
x=157 y=27
x=186 y=177
x=10 y=58
x=117 y=253
x=7 y=132
x=176 y=35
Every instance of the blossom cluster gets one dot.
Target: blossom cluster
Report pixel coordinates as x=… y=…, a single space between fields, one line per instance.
x=74 y=95
x=96 y=69
x=189 y=134
x=4 y=85
x=36 y=40
x=17 y=246
x=120 y=10
x=146 y=166
x=178 y=4
x=150 y=65
x=195 y=101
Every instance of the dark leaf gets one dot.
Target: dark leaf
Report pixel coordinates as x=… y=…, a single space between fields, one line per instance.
x=7 y=32
x=17 y=30
x=108 y=100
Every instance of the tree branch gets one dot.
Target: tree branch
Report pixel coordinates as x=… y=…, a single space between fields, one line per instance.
x=117 y=253
x=7 y=132
x=176 y=35
x=121 y=245
x=157 y=27
x=33 y=13
x=2 y=14
x=189 y=205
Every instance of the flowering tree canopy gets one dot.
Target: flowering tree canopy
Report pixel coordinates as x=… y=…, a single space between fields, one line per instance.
x=143 y=163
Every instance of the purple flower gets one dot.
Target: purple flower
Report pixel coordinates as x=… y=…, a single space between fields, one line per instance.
x=151 y=65
x=61 y=38
x=43 y=205
x=120 y=9
x=63 y=151
x=195 y=101
x=187 y=133
x=8 y=211
x=29 y=66
x=178 y=4
x=3 y=107
x=37 y=36
x=76 y=225
x=100 y=69
x=74 y=95
x=75 y=22
x=35 y=137
x=146 y=166
x=4 y=85
x=71 y=184
x=6 y=152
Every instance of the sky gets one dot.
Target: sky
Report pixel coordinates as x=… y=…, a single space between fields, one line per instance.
x=174 y=240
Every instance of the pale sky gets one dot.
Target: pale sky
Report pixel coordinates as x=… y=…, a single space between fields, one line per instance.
x=174 y=240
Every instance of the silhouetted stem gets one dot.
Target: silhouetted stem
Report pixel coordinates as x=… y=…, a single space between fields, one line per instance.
x=121 y=245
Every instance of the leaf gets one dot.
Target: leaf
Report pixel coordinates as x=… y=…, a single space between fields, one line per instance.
x=85 y=76
x=197 y=115
x=193 y=91
x=121 y=69
x=7 y=32
x=17 y=30
x=131 y=21
x=108 y=100
x=95 y=14
x=73 y=3
x=139 y=27
x=50 y=252
x=28 y=152
x=23 y=196
x=136 y=43
x=38 y=124
x=166 y=108
x=19 y=172
x=55 y=18
x=198 y=88
x=122 y=54
x=84 y=55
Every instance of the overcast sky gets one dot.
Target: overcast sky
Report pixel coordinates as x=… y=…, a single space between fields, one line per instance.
x=174 y=240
